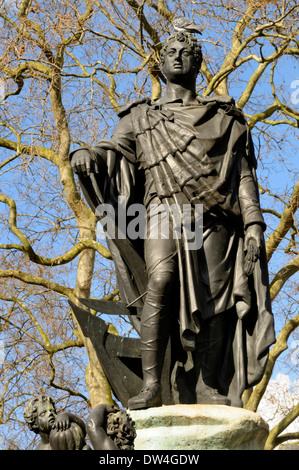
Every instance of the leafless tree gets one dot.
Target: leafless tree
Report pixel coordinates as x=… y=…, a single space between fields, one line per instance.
x=65 y=70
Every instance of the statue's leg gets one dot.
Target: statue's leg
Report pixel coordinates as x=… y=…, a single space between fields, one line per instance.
x=161 y=262
x=209 y=357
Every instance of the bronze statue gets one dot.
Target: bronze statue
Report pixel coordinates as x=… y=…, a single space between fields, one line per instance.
x=110 y=428
x=62 y=431
x=107 y=427
x=212 y=301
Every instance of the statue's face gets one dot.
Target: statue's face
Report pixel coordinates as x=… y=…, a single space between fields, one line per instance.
x=46 y=416
x=179 y=62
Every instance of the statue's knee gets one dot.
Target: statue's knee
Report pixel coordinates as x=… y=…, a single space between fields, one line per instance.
x=160 y=283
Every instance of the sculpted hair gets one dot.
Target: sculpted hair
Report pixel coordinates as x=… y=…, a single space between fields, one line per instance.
x=31 y=411
x=188 y=38
x=120 y=428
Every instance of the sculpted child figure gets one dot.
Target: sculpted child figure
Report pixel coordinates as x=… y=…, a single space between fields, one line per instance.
x=107 y=427
x=62 y=431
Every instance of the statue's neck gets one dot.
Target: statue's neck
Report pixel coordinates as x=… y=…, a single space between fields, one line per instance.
x=175 y=91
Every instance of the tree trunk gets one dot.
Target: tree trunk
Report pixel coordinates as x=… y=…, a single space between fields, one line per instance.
x=98 y=387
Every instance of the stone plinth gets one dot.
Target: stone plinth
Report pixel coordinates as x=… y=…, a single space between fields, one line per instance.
x=199 y=427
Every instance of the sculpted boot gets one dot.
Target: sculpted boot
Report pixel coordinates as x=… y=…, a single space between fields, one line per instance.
x=153 y=346
x=151 y=393
x=207 y=395
x=149 y=397
x=153 y=352
x=208 y=358
x=155 y=322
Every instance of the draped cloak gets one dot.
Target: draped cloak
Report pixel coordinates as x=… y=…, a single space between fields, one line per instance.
x=197 y=154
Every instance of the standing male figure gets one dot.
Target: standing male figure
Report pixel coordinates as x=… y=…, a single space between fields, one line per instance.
x=184 y=149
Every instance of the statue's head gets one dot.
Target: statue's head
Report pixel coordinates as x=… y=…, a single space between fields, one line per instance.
x=40 y=413
x=186 y=45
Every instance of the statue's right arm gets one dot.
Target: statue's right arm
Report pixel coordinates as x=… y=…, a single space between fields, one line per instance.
x=85 y=161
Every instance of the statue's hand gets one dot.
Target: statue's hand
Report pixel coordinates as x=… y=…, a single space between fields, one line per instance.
x=101 y=412
x=83 y=163
x=252 y=246
x=62 y=421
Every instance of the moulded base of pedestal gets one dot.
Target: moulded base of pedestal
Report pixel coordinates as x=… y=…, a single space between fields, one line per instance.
x=199 y=427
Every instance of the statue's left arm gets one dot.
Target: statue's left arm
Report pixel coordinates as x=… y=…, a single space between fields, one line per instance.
x=252 y=217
